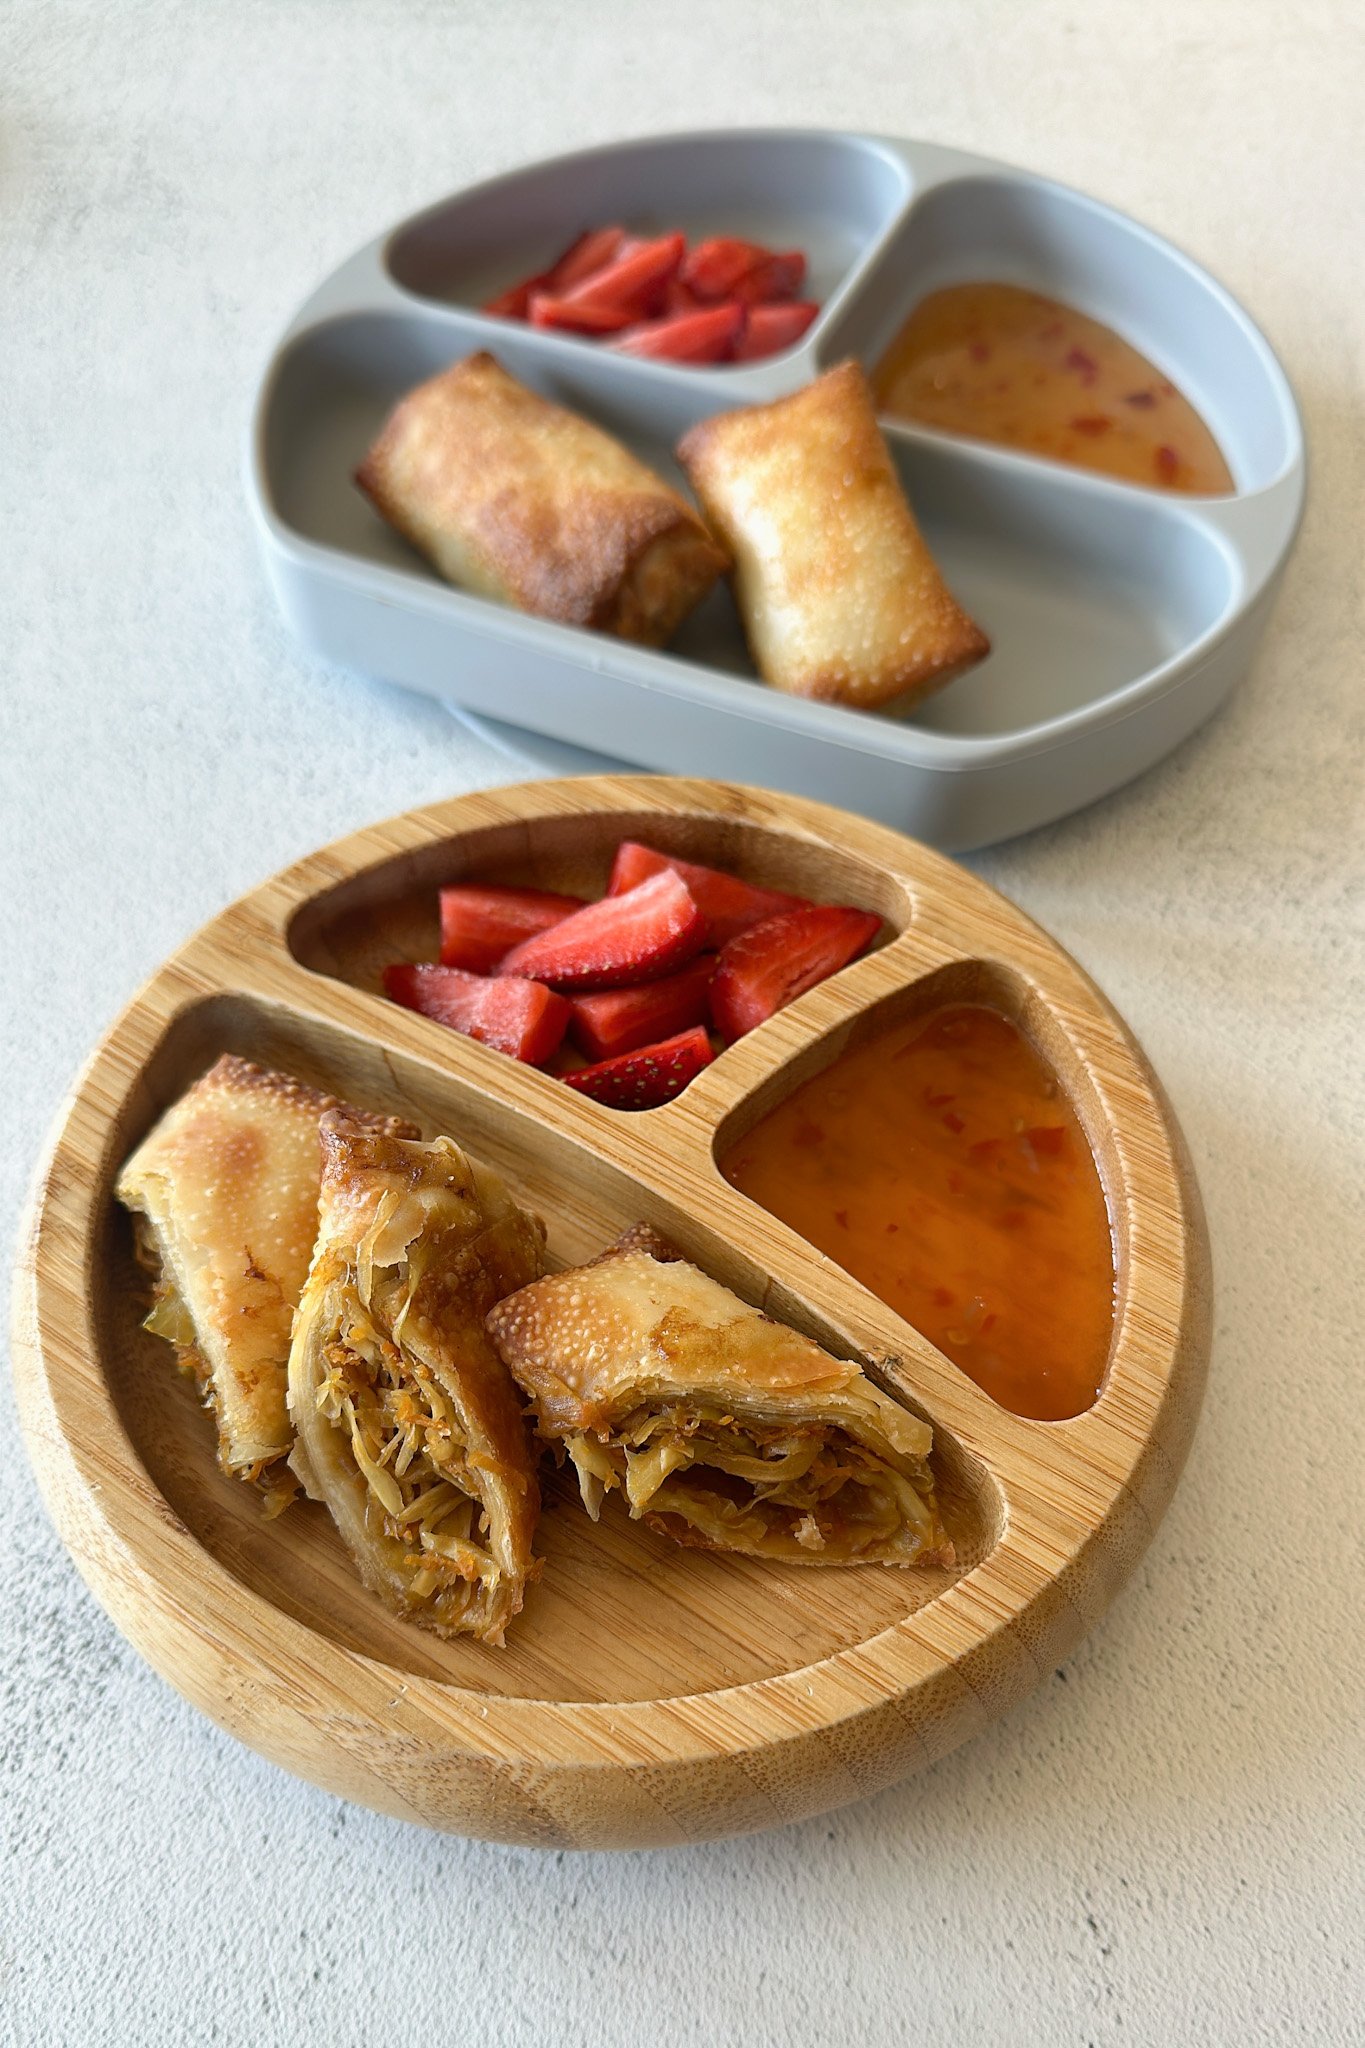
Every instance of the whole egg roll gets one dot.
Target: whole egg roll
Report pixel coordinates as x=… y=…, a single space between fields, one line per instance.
x=721 y=1428
x=408 y=1425
x=521 y=500
x=839 y=594
x=225 y=1196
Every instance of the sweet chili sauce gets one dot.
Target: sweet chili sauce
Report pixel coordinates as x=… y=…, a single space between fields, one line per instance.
x=1006 y=365
x=943 y=1167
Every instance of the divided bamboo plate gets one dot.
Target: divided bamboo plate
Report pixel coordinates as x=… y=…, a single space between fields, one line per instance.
x=648 y=1694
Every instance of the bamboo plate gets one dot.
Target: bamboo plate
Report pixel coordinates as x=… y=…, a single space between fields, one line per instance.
x=648 y=1694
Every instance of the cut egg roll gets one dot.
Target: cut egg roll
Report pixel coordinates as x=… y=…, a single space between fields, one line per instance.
x=523 y=501
x=224 y=1192
x=719 y=1427
x=840 y=597
x=408 y=1425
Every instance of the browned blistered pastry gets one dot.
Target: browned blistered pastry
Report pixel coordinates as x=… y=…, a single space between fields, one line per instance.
x=408 y=1424
x=225 y=1191
x=840 y=596
x=721 y=1428
x=521 y=500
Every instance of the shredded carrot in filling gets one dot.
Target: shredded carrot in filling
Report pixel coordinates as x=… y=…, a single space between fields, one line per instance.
x=404 y=1440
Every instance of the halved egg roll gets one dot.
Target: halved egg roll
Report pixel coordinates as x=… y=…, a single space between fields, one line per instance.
x=840 y=596
x=722 y=1429
x=409 y=1427
x=224 y=1192
x=521 y=500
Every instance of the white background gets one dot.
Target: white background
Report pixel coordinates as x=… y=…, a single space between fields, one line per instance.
x=1166 y=1844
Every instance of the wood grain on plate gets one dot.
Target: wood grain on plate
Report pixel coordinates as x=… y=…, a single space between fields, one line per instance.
x=648 y=1694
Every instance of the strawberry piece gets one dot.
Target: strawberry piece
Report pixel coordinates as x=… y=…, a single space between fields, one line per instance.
x=632 y=288
x=548 y=311
x=640 y=936
x=728 y=905
x=515 y=302
x=772 y=963
x=522 y=1018
x=618 y=1019
x=704 y=337
x=585 y=256
x=678 y=299
x=770 y=328
x=780 y=276
x=648 y=1076
x=481 y=922
x=726 y=268
x=716 y=267
x=588 y=254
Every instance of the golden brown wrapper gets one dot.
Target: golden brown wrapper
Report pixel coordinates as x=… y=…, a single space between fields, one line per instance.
x=722 y=1428
x=521 y=500
x=840 y=595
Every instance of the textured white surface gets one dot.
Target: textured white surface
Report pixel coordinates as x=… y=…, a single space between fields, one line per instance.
x=1167 y=1844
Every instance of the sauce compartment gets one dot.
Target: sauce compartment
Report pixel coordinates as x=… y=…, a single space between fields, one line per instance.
x=1023 y=231
x=602 y=1582
x=831 y=195
x=999 y=364
x=935 y=1152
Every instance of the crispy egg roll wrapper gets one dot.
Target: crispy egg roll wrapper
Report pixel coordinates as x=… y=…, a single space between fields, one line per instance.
x=409 y=1426
x=225 y=1193
x=523 y=501
x=721 y=1428
x=840 y=597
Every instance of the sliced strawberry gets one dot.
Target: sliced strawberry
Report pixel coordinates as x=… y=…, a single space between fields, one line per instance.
x=515 y=302
x=522 y=1018
x=728 y=905
x=714 y=268
x=704 y=337
x=779 y=276
x=589 y=253
x=481 y=922
x=772 y=963
x=770 y=328
x=548 y=310
x=618 y=1019
x=585 y=256
x=640 y=936
x=648 y=1076
x=727 y=268
x=632 y=288
x=678 y=299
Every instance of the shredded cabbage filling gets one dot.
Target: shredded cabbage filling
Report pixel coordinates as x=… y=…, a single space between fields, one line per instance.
x=772 y=1487
x=404 y=1440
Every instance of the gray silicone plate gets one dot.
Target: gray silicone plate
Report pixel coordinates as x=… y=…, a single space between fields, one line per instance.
x=1120 y=617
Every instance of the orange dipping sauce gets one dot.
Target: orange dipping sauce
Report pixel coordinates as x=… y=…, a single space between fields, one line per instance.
x=943 y=1167
x=1007 y=365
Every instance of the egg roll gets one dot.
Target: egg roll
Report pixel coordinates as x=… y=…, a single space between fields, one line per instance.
x=720 y=1428
x=523 y=501
x=840 y=597
x=224 y=1193
x=409 y=1427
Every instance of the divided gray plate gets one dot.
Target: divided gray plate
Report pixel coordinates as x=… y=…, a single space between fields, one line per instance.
x=1120 y=616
